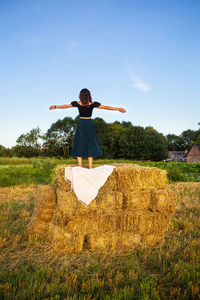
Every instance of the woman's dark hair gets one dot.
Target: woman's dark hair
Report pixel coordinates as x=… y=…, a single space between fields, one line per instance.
x=85 y=97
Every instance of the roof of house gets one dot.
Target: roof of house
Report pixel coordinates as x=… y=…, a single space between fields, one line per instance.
x=177 y=152
x=197 y=146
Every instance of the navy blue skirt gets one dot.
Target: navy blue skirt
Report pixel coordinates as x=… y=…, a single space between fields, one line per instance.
x=86 y=143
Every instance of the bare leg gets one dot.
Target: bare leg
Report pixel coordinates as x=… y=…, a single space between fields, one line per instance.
x=79 y=161
x=90 y=160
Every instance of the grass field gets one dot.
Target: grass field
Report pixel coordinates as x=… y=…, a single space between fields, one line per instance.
x=16 y=171
x=33 y=271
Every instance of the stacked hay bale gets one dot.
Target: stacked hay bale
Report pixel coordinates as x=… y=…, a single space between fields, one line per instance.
x=132 y=208
x=45 y=203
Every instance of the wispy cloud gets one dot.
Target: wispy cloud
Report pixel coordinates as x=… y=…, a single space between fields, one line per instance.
x=137 y=82
x=71 y=44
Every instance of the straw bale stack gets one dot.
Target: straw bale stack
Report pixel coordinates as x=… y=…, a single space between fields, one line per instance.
x=43 y=211
x=133 y=208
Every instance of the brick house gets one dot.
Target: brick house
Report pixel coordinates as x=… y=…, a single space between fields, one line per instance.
x=177 y=155
x=194 y=154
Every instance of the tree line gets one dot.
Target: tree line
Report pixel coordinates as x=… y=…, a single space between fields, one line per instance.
x=117 y=140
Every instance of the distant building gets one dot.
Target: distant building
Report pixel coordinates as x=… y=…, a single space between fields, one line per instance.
x=194 y=154
x=177 y=155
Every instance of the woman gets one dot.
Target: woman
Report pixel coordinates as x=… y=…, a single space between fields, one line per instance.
x=85 y=141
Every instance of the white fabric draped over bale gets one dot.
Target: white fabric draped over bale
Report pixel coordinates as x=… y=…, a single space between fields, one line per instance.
x=86 y=182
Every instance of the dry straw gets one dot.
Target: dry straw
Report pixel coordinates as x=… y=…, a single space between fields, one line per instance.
x=132 y=208
x=44 y=209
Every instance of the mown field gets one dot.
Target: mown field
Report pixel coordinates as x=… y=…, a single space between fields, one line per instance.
x=32 y=271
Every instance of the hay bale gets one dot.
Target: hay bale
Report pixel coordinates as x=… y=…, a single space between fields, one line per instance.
x=137 y=200
x=62 y=240
x=132 y=208
x=130 y=177
x=67 y=202
x=108 y=200
x=128 y=181
x=45 y=203
x=94 y=231
x=162 y=201
x=59 y=182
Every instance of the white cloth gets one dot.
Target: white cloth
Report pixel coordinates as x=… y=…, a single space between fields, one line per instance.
x=86 y=182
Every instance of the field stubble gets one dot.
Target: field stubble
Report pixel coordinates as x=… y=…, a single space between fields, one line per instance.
x=33 y=271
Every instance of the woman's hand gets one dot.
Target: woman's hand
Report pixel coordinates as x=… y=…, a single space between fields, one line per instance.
x=122 y=110
x=52 y=107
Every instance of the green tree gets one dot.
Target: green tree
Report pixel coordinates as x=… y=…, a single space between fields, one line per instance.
x=5 y=152
x=155 y=145
x=30 y=138
x=126 y=124
x=102 y=131
x=58 y=139
x=115 y=130
x=175 y=142
x=132 y=143
x=189 y=137
x=28 y=144
x=197 y=140
x=24 y=151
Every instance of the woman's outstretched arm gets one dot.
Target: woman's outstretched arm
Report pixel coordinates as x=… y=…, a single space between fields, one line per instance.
x=60 y=106
x=112 y=108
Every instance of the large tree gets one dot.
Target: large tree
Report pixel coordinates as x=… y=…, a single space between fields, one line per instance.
x=58 y=139
x=117 y=140
x=102 y=131
x=175 y=142
x=29 y=144
x=138 y=143
x=5 y=152
x=115 y=130
x=132 y=143
x=189 y=137
x=155 y=145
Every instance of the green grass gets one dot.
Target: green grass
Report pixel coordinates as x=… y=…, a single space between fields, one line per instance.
x=16 y=171
x=16 y=175
x=29 y=161
x=28 y=171
x=32 y=271
x=178 y=171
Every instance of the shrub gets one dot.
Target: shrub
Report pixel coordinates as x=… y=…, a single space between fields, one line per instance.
x=44 y=165
x=177 y=175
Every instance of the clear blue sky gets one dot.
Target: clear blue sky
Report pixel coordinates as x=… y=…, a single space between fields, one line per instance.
x=142 y=55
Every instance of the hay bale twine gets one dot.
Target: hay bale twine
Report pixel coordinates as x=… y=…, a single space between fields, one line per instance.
x=133 y=208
